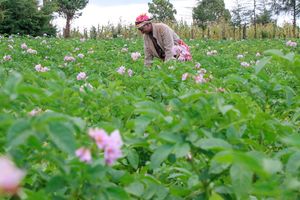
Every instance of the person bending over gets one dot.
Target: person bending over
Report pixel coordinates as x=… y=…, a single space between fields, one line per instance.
x=161 y=41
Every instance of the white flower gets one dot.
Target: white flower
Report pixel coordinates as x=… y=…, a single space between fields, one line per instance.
x=10 y=46
x=202 y=71
x=81 y=76
x=7 y=58
x=82 y=39
x=245 y=64
x=31 y=51
x=240 y=56
x=121 y=70
x=130 y=72
x=257 y=54
x=69 y=59
x=24 y=46
x=171 y=68
x=135 y=56
x=124 y=49
x=87 y=86
x=80 y=55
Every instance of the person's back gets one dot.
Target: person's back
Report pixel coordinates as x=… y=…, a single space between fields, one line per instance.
x=161 y=41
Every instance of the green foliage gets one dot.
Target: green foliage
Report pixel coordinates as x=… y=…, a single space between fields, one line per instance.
x=210 y=11
x=162 y=10
x=235 y=136
x=69 y=10
x=23 y=17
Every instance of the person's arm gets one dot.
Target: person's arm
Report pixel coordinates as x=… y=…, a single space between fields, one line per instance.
x=148 y=55
x=168 y=43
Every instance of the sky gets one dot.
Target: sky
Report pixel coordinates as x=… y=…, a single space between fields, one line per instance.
x=104 y=12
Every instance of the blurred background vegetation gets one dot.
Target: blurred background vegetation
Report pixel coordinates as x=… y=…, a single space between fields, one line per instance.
x=249 y=19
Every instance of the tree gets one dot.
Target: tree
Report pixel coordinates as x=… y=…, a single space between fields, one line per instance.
x=289 y=6
x=241 y=16
x=265 y=15
x=210 y=11
x=69 y=10
x=24 y=17
x=162 y=10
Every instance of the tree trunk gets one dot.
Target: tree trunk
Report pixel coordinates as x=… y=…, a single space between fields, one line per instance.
x=254 y=20
x=244 y=32
x=203 y=32
x=294 y=19
x=68 y=27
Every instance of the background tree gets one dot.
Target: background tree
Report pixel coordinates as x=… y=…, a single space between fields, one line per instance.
x=241 y=16
x=68 y=9
x=25 y=17
x=162 y=10
x=265 y=13
x=208 y=11
x=289 y=6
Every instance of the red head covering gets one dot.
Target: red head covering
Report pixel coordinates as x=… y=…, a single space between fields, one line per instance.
x=142 y=20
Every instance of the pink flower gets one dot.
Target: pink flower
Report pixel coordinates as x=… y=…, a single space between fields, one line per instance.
x=197 y=65
x=81 y=76
x=100 y=136
x=35 y=112
x=121 y=70
x=80 y=55
x=24 y=46
x=184 y=76
x=200 y=79
x=245 y=64
x=112 y=150
x=10 y=176
x=84 y=154
x=291 y=43
x=40 y=68
x=135 y=56
x=31 y=51
x=7 y=58
x=69 y=59
x=130 y=72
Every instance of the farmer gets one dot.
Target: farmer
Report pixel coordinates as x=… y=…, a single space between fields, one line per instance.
x=161 y=41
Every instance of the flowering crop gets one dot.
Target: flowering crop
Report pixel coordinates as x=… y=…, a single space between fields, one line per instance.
x=100 y=125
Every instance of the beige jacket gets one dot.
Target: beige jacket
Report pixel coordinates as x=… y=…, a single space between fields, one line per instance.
x=166 y=39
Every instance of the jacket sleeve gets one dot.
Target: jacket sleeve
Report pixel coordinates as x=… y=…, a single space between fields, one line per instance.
x=168 y=43
x=148 y=55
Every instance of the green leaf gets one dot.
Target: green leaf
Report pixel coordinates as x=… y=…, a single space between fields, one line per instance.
x=117 y=193
x=135 y=188
x=182 y=149
x=261 y=64
x=215 y=196
x=213 y=144
x=160 y=155
x=293 y=164
x=55 y=183
x=62 y=136
x=133 y=158
x=12 y=83
x=275 y=52
x=241 y=179
x=18 y=133
x=141 y=123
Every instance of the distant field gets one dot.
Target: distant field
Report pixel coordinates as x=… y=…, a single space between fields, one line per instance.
x=223 y=126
